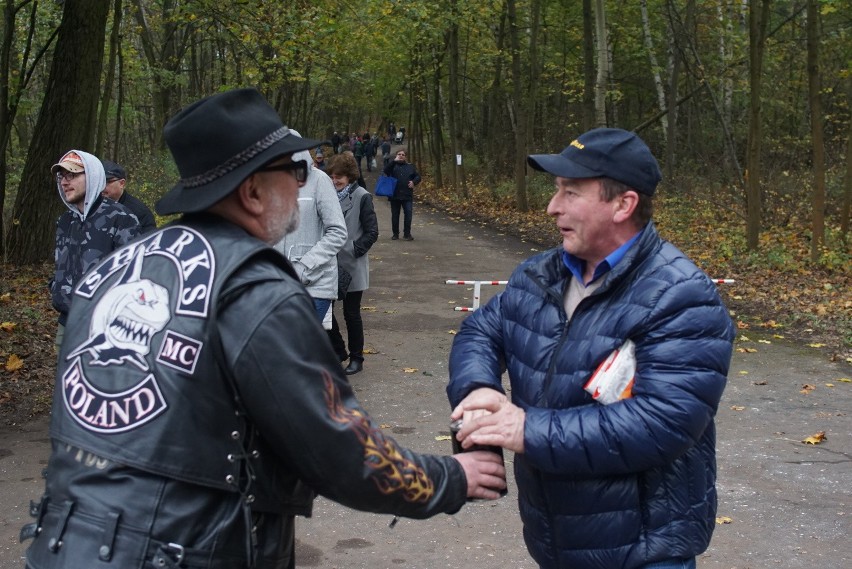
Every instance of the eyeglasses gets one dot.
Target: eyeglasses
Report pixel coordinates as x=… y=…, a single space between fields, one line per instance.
x=66 y=176
x=298 y=168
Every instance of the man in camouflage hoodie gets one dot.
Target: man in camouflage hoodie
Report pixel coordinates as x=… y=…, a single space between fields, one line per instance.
x=92 y=227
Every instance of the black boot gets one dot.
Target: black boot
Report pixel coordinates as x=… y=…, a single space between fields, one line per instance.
x=355 y=365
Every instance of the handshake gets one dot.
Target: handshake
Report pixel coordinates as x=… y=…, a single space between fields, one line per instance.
x=484 y=424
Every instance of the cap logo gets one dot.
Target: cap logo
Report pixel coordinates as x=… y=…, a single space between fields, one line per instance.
x=577 y=144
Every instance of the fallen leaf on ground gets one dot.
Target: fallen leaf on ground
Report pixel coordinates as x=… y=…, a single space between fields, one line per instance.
x=453 y=332
x=807 y=388
x=746 y=350
x=7 y=326
x=14 y=363
x=737 y=408
x=815 y=439
x=443 y=438
x=762 y=382
x=385 y=426
x=724 y=520
x=816 y=345
x=7 y=297
x=845 y=380
x=410 y=370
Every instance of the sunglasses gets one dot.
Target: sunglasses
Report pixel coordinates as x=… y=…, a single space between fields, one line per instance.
x=298 y=168
x=66 y=176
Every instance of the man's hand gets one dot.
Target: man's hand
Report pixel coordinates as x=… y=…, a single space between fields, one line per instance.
x=485 y=473
x=490 y=419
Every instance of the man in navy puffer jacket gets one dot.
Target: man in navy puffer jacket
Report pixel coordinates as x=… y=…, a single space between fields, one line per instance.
x=630 y=484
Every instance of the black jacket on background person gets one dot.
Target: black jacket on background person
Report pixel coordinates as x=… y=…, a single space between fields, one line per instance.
x=404 y=172
x=143 y=213
x=195 y=321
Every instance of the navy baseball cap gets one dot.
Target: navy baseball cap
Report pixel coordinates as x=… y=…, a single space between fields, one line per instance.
x=604 y=153
x=114 y=170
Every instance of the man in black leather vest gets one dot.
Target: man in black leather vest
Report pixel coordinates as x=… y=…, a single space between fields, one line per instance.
x=198 y=405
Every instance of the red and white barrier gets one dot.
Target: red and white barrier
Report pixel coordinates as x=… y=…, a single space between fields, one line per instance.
x=477 y=292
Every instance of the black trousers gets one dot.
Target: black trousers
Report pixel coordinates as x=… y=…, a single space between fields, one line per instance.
x=406 y=207
x=354 y=328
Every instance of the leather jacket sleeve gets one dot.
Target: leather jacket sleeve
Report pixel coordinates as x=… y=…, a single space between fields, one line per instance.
x=299 y=400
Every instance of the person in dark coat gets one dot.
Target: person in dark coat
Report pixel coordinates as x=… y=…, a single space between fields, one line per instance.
x=626 y=480
x=116 y=181
x=403 y=198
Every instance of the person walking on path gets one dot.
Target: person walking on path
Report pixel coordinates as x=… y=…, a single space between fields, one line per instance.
x=198 y=406
x=363 y=230
x=386 y=150
x=627 y=482
x=403 y=198
x=312 y=246
x=115 y=189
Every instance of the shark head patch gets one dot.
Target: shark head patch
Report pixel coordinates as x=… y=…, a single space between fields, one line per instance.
x=126 y=319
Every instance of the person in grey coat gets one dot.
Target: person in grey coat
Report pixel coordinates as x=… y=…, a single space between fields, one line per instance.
x=363 y=228
x=312 y=248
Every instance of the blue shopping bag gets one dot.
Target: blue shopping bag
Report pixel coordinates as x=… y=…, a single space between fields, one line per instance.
x=386 y=186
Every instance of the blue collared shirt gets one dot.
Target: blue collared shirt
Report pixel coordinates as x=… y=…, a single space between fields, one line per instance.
x=577 y=265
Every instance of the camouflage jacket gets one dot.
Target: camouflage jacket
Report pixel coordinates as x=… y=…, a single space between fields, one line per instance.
x=81 y=243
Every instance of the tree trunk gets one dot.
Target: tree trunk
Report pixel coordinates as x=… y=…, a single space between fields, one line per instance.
x=9 y=101
x=518 y=110
x=459 y=182
x=655 y=67
x=758 y=16
x=845 y=210
x=588 y=66
x=106 y=96
x=603 y=63
x=74 y=83
x=5 y=113
x=164 y=67
x=493 y=123
x=435 y=130
x=817 y=142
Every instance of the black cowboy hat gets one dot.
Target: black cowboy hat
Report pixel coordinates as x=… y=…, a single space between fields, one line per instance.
x=220 y=141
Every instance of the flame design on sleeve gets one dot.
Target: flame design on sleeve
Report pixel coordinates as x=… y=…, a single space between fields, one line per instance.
x=392 y=471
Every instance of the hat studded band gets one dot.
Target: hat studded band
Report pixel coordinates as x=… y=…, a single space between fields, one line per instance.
x=237 y=160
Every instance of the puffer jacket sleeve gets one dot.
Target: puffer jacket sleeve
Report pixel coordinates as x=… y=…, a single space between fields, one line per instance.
x=476 y=358
x=296 y=395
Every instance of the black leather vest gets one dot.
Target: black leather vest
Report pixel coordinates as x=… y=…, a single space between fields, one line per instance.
x=137 y=380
